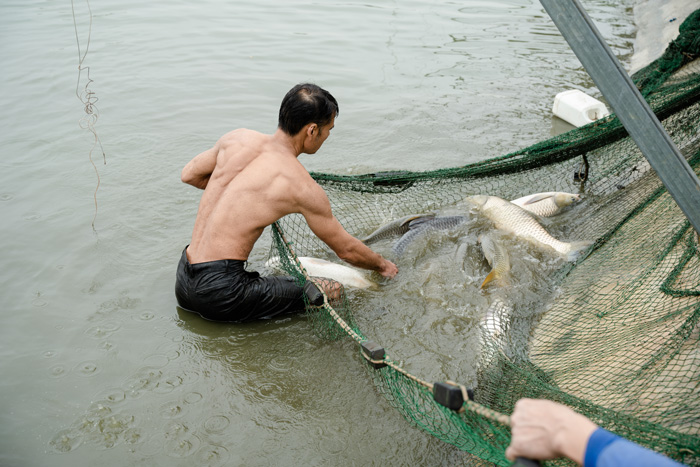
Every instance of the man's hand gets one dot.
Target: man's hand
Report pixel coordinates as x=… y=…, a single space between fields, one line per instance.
x=543 y=429
x=389 y=269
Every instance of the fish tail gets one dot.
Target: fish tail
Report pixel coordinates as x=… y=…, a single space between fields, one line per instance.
x=490 y=277
x=577 y=250
x=495 y=276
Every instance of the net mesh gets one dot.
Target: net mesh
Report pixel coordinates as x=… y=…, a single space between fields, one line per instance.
x=619 y=341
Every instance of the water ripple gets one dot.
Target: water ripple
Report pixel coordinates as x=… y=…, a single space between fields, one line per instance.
x=176 y=430
x=211 y=455
x=134 y=435
x=99 y=425
x=145 y=379
x=58 y=371
x=216 y=424
x=269 y=389
x=193 y=398
x=145 y=316
x=103 y=330
x=65 y=440
x=88 y=368
x=169 y=384
x=171 y=410
x=182 y=447
x=156 y=360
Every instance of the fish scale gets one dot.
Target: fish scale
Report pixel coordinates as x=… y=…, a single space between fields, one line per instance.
x=547 y=204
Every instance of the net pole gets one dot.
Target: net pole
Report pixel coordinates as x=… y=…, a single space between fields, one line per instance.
x=628 y=104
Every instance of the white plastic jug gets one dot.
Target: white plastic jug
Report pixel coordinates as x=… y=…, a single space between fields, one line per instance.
x=578 y=108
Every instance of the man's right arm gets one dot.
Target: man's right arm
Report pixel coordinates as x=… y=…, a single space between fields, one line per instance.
x=318 y=214
x=352 y=250
x=198 y=171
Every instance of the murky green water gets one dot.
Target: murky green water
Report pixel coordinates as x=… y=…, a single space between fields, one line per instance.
x=98 y=366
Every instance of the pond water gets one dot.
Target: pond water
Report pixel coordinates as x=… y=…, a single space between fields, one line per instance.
x=98 y=365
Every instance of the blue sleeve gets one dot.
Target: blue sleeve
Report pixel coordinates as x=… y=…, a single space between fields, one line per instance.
x=605 y=449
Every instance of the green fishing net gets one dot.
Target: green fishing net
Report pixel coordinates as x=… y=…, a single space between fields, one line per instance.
x=619 y=341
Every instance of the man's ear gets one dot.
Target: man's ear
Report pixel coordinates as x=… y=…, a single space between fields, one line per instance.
x=310 y=130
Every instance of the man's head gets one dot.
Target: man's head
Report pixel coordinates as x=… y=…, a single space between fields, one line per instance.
x=306 y=103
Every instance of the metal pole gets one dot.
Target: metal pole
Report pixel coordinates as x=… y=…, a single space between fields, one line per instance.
x=628 y=104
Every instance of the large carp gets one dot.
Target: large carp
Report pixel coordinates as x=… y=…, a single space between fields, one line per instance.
x=512 y=218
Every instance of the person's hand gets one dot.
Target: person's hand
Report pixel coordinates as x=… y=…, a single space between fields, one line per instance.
x=389 y=269
x=543 y=429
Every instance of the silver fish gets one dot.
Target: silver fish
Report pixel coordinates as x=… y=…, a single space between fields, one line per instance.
x=494 y=333
x=423 y=225
x=495 y=323
x=460 y=255
x=512 y=218
x=316 y=267
x=547 y=204
x=394 y=228
x=497 y=257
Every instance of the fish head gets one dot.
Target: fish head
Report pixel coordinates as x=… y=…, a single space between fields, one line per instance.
x=566 y=199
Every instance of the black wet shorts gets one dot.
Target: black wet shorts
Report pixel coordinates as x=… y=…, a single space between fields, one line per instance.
x=224 y=291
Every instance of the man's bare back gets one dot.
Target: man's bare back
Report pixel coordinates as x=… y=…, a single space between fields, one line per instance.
x=252 y=184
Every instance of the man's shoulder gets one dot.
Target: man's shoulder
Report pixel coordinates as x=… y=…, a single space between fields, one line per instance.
x=308 y=189
x=242 y=134
x=241 y=144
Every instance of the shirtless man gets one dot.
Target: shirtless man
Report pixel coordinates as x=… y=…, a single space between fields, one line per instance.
x=250 y=180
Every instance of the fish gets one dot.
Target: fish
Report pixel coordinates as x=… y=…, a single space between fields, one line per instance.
x=316 y=267
x=513 y=219
x=497 y=257
x=547 y=204
x=495 y=323
x=423 y=225
x=495 y=335
x=394 y=228
x=494 y=329
x=460 y=255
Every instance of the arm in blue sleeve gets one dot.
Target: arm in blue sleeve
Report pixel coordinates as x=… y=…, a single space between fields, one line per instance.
x=605 y=449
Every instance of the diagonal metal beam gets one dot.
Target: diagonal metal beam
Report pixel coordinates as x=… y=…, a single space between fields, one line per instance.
x=628 y=104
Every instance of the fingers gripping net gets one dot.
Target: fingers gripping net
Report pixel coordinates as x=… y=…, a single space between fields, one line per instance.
x=617 y=337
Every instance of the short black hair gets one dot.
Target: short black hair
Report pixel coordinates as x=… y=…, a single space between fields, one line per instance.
x=306 y=103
